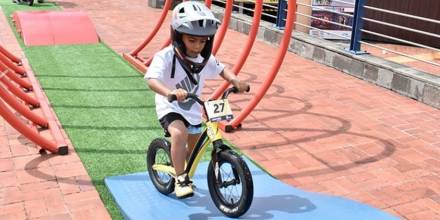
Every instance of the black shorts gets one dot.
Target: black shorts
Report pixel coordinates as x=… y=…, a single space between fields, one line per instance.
x=166 y=120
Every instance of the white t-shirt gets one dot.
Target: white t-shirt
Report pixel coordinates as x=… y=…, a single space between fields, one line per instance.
x=160 y=68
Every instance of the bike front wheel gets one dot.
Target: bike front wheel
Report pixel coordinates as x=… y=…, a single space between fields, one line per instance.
x=159 y=153
x=230 y=184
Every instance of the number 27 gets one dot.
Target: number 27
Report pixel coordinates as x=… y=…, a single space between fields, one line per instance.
x=218 y=108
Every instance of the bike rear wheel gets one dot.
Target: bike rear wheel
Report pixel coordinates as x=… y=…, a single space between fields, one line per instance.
x=232 y=189
x=159 y=153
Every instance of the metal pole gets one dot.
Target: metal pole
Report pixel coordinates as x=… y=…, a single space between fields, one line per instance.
x=356 y=33
x=281 y=15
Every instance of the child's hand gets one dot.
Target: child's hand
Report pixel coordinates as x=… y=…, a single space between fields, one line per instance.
x=181 y=94
x=242 y=86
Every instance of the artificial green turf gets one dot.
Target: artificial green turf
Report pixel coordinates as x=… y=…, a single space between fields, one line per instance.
x=9 y=7
x=102 y=103
x=104 y=106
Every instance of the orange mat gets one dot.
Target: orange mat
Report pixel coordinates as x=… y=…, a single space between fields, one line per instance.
x=55 y=27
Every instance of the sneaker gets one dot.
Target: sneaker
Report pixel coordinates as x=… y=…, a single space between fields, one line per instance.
x=183 y=186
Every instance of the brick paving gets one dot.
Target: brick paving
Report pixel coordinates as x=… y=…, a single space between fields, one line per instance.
x=41 y=187
x=317 y=129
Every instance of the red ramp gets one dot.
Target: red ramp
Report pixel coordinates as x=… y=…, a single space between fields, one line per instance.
x=39 y=28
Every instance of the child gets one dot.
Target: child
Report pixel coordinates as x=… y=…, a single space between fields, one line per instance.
x=193 y=27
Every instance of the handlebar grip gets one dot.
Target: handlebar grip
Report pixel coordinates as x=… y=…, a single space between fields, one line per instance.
x=172 y=97
x=248 y=89
x=235 y=89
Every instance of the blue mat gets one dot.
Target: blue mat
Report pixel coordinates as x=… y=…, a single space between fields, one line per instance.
x=138 y=199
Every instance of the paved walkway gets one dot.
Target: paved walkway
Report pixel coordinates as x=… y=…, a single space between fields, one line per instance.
x=317 y=129
x=41 y=187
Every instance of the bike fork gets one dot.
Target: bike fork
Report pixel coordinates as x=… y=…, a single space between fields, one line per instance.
x=219 y=147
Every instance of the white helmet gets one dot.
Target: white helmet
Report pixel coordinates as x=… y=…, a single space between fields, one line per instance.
x=192 y=18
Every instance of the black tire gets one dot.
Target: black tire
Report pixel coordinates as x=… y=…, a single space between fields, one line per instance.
x=159 y=153
x=30 y=2
x=40 y=1
x=234 y=172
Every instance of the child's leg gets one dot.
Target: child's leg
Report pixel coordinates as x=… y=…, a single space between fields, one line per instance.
x=179 y=135
x=192 y=140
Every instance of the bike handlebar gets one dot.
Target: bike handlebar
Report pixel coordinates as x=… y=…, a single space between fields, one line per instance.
x=233 y=90
x=173 y=97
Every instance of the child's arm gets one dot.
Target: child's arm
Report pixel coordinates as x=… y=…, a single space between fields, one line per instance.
x=158 y=87
x=234 y=80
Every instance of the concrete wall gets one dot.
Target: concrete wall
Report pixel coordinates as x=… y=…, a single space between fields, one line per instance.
x=156 y=3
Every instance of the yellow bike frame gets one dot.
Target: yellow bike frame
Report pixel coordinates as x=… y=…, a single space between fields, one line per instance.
x=210 y=135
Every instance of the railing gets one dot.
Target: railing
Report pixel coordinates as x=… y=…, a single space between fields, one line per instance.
x=356 y=41
x=240 y=8
x=354 y=33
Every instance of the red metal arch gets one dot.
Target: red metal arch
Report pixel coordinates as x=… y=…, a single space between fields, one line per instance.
x=11 y=56
x=133 y=57
x=46 y=120
x=156 y=28
x=22 y=109
x=27 y=131
x=219 y=37
x=9 y=63
x=246 y=50
x=236 y=122
x=14 y=89
x=13 y=76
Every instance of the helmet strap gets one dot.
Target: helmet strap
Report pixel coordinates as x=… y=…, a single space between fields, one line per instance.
x=187 y=67
x=173 y=67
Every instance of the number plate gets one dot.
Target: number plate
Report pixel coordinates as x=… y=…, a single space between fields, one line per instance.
x=218 y=110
